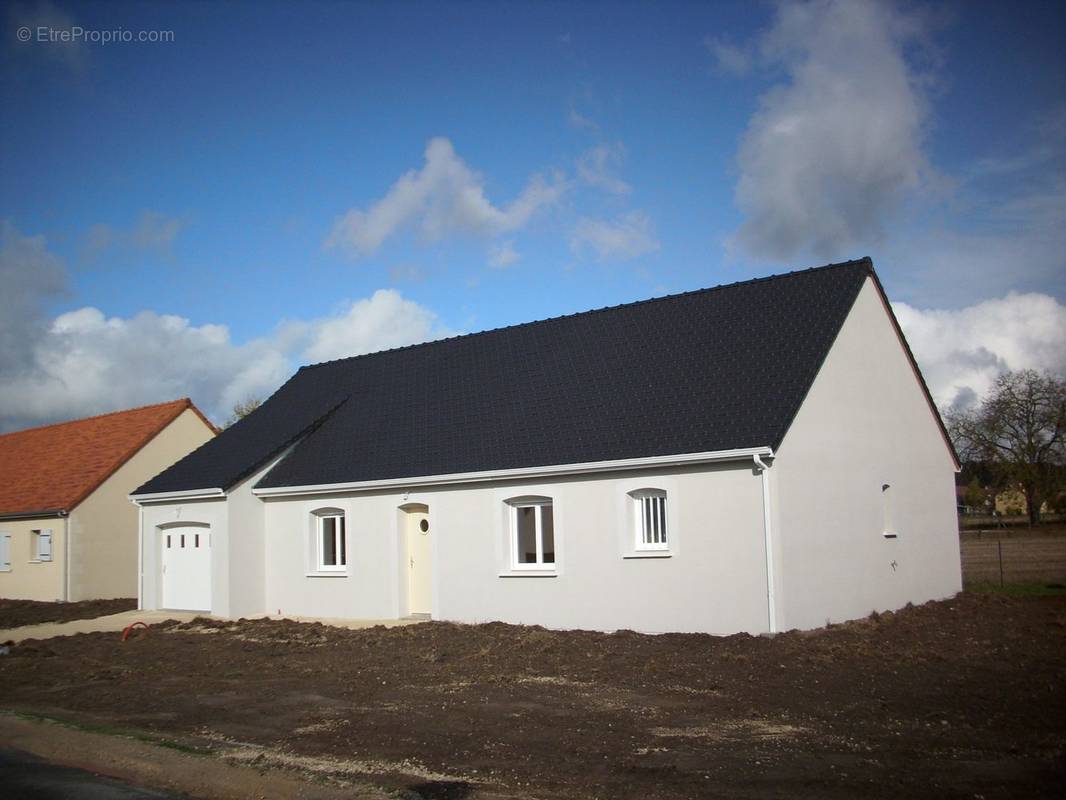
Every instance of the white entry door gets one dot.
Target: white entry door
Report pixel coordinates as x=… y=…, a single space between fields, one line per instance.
x=419 y=563
x=187 y=568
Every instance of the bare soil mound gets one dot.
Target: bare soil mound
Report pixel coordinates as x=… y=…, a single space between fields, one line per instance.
x=960 y=698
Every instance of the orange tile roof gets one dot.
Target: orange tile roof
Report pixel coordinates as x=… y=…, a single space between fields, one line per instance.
x=55 y=467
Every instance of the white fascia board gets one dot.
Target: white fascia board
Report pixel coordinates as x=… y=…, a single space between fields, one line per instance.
x=520 y=473
x=186 y=494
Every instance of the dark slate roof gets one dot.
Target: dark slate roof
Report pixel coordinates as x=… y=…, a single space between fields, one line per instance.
x=713 y=369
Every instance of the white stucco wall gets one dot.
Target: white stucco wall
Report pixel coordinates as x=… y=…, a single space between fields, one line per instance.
x=244 y=551
x=865 y=423
x=156 y=519
x=238 y=548
x=713 y=581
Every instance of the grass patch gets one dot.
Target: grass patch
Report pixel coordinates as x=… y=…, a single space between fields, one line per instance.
x=110 y=730
x=1041 y=589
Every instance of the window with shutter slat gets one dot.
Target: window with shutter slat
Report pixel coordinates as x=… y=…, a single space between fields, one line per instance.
x=650 y=517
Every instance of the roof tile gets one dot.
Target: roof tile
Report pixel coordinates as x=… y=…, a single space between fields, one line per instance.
x=55 y=467
x=713 y=369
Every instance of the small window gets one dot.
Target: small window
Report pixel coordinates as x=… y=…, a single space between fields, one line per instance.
x=532 y=534
x=331 y=546
x=168 y=541
x=5 y=552
x=42 y=545
x=888 y=529
x=649 y=519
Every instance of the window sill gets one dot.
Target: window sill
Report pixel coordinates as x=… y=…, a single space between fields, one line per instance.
x=327 y=574
x=39 y=561
x=890 y=534
x=530 y=573
x=648 y=554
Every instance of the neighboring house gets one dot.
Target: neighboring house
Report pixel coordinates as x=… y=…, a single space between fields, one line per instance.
x=67 y=528
x=754 y=457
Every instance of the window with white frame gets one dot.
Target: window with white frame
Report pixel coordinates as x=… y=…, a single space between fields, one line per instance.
x=42 y=545
x=5 y=552
x=330 y=547
x=649 y=519
x=532 y=533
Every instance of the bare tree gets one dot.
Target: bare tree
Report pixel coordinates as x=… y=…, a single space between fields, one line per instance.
x=242 y=410
x=1019 y=430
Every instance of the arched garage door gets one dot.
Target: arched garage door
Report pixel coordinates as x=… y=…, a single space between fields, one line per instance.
x=186 y=567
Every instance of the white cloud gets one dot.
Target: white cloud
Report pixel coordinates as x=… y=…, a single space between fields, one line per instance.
x=629 y=236
x=598 y=166
x=84 y=362
x=444 y=197
x=503 y=255
x=962 y=351
x=30 y=276
x=88 y=363
x=380 y=322
x=152 y=232
x=731 y=58
x=832 y=152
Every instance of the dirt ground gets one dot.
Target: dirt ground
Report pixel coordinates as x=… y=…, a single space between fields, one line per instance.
x=963 y=698
x=15 y=613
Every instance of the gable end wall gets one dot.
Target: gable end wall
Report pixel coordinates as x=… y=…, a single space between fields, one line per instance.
x=866 y=422
x=104 y=526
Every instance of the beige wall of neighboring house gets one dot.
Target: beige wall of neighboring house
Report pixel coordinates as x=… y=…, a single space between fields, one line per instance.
x=27 y=577
x=104 y=526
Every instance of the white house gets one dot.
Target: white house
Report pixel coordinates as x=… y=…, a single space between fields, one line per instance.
x=753 y=457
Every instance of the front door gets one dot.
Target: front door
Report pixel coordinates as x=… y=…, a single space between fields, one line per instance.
x=419 y=563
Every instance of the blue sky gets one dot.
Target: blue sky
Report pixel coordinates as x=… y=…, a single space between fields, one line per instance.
x=201 y=216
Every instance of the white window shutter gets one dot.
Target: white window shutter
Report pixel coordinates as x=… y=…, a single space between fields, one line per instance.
x=44 y=545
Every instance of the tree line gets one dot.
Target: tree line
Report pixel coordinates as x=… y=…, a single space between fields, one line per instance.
x=1014 y=439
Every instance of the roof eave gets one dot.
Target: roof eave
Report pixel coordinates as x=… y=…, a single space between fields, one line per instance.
x=39 y=513
x=917 y=372
x=185 y=494
x=520 y=473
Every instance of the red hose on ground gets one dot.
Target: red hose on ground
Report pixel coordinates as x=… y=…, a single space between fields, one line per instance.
x=130 y=627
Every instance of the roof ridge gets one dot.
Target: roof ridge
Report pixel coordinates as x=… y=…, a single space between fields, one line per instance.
x=185 y=400
x=866 y=260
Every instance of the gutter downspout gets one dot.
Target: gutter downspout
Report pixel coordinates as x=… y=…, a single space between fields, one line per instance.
x=771 y=608
x=66 y=556
x=140 y=556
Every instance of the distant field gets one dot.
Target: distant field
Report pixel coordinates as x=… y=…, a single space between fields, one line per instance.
x=1028 y=557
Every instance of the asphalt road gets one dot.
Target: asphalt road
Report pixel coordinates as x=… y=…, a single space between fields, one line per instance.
x=25 y=777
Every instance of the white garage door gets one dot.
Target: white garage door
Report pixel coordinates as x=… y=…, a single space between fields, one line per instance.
x=187 y=568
